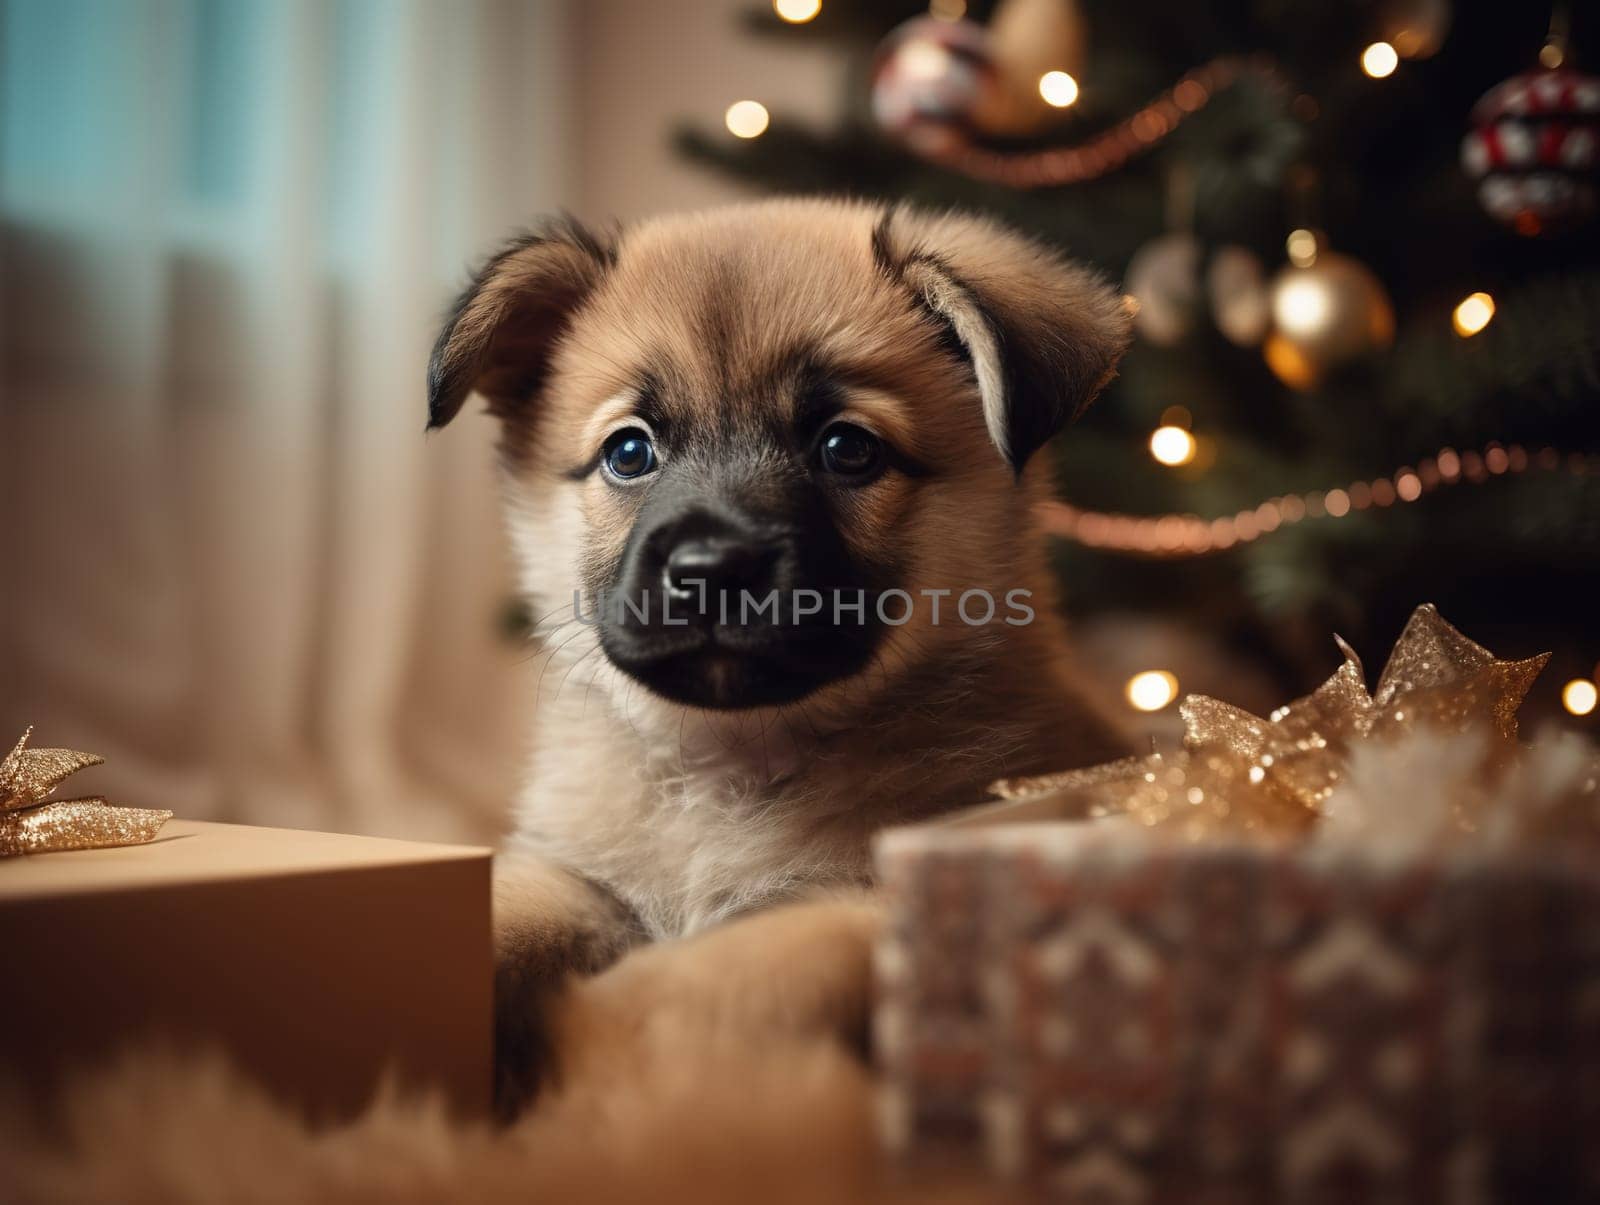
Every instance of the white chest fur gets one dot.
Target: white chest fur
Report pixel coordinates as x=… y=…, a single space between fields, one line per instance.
x=743 y=826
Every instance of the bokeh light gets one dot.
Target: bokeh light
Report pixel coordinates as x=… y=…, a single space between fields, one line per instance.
x=797 y=12
x=1379 y=60
x=1473 y=314
x=1058 y=89
x=1301 y=246
x=1580 y=696
x=1172 y=446
x=1152 y=689
x=746 y=118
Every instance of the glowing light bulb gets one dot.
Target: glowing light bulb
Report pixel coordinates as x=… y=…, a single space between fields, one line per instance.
x=746 y=118
x=797 y=12
x=1151 y=690
x=1172 y=445
x=1473 y=314
x=1379 y=60
x=1058 y=89
x=1580 y=696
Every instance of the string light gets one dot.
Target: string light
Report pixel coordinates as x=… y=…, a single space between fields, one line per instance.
x=1058 y=89
x=746 y=118
x=1379 y=60
x=1108 y=151
x=1301 y=246
x=1173 y=536
x=1580 y=696
x=1473 y=314
x=1172 y=445
x=1151 y=690
x=797 y=12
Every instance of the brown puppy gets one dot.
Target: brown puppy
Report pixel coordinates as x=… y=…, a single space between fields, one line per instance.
x=770 y=472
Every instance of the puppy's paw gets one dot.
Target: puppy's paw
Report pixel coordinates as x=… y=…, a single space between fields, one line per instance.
x=550 y=925
x=798 y=973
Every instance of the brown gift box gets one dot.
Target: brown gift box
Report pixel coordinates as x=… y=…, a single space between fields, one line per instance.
x=318 y=963
x=1108 y=1020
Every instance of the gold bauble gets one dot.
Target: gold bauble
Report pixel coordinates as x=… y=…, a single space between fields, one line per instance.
x=1028 y=38
x=1325 y=314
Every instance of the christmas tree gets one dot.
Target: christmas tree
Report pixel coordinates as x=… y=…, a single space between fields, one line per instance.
x=1368 y=356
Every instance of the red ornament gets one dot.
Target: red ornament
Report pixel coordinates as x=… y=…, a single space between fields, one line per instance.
x=928 y=79
x=1534 y=145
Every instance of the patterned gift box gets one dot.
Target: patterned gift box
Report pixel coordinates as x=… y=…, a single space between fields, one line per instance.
x=1115 y=1020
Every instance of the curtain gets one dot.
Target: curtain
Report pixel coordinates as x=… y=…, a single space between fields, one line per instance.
x=230 y=561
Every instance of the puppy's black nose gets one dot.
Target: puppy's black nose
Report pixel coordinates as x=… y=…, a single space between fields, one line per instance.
x=707 y=566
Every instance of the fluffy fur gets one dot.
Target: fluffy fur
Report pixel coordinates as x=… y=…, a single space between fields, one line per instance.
x=697 y=1103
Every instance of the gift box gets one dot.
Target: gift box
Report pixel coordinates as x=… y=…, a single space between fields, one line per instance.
x=318 y=963
x=1119 y=1022
x=1350 y=952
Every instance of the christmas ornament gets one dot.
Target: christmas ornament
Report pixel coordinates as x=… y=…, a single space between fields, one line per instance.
x=1027 y=39
x=1237 y=288
x=1164 y=278
x=1415 y=28
x=1327 y=309
x=1243 y=776
x=928 y=79
x=1533 y=149
x=31 y=823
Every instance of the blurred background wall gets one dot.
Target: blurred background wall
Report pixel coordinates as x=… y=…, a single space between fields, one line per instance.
x=230 y=562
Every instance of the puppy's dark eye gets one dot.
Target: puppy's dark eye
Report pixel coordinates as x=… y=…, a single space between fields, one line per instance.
x=850 y=451
x=629 y=453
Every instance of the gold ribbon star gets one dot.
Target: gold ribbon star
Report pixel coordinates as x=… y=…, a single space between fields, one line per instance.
x=1244 y=776
x=31 y=823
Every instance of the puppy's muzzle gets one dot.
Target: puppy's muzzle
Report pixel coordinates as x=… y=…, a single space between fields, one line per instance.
x=707 y=608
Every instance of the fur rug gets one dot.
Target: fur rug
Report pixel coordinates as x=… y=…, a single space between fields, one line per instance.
x=792 y=1124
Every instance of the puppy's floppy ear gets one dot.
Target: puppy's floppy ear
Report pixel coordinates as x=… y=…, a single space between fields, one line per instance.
x=500 y=333
x=1042 y=334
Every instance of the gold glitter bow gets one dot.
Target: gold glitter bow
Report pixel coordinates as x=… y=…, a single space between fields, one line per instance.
x=1241 y=775
x=32 y=823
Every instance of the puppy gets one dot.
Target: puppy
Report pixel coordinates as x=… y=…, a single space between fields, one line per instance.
x=770 y=473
